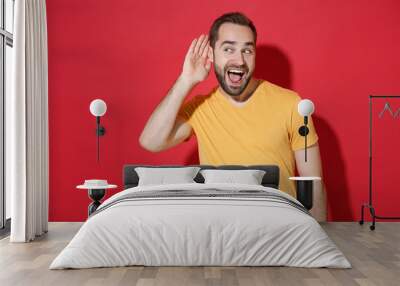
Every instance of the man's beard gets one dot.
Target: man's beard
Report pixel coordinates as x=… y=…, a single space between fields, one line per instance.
x=232 y=91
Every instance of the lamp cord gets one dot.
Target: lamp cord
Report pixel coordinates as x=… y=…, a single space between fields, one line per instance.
x=98 y=146
x=98 y=137
x=305 y=151
x=305 y=135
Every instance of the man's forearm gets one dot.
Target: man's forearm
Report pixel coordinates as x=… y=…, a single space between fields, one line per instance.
x=162 y=120
x=159 y=132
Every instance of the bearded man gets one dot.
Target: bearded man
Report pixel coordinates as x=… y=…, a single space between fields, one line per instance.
x=244 y=120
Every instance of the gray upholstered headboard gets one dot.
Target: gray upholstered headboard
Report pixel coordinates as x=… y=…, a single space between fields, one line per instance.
x=270 y=179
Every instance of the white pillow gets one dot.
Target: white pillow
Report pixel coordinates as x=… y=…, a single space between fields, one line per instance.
x=249 y=177
x=166 y=175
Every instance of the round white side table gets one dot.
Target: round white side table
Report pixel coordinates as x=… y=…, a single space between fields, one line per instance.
x=96 y=193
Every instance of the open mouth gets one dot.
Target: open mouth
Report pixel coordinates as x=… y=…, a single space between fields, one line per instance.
x=236 y=76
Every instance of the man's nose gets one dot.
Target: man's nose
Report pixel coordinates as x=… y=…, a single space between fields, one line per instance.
x=239 y=59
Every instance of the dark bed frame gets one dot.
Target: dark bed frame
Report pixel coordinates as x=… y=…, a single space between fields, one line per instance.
x=270 y=179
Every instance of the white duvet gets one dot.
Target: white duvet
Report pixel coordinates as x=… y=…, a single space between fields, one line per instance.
x=200 y=231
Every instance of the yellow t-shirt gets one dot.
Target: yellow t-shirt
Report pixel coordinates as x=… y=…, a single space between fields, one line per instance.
x=262 y=131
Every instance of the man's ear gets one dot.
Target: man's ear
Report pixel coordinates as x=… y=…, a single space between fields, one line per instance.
x=211 y=54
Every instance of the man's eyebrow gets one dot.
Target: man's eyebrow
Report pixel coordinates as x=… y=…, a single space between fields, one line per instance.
x=249 y=44
x=228 y=42
x=234 y=42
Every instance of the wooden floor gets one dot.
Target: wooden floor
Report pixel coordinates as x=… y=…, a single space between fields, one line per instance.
x=375 y=257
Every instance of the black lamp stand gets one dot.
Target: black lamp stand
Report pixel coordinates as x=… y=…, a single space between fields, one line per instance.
x=304 y=192
x=96 y=195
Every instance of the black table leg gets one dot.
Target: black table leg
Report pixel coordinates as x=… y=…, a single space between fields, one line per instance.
x=304 y=192
x=96 y=195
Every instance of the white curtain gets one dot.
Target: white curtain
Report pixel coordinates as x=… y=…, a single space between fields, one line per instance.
x=27 y=124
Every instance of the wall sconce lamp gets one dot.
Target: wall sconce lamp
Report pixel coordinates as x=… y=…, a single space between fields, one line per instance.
x=305 y=109
x=98 y=108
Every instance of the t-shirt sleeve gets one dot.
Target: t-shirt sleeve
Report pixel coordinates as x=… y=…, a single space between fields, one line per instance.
x=187 y=110
x=297 y=141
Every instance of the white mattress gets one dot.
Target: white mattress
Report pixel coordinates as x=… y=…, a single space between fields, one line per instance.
x=183 y=231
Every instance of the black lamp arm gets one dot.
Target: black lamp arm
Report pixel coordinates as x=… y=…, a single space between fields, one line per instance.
x=100 y=131
x=303 y=131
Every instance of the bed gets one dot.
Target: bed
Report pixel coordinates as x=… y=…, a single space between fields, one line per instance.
x=201 y=224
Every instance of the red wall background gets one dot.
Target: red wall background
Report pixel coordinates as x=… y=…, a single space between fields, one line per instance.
x=129 y=53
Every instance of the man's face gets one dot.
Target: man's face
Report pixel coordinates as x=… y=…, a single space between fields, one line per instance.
x=234 y=57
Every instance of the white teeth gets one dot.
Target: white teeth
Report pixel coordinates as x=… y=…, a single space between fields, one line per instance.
x=236 y=71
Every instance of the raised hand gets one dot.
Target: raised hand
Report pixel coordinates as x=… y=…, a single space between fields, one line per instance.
x=197 y=63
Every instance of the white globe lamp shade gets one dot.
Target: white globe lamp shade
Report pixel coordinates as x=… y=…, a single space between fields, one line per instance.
x=305 y=107
x=98 y=107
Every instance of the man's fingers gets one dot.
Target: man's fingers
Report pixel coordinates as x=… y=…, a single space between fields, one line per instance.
x=204 y=44
x=192 y=45
x=198 y=45
x=205 y=50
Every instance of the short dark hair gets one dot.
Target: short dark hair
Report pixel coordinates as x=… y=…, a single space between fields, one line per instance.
x=234 y=18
